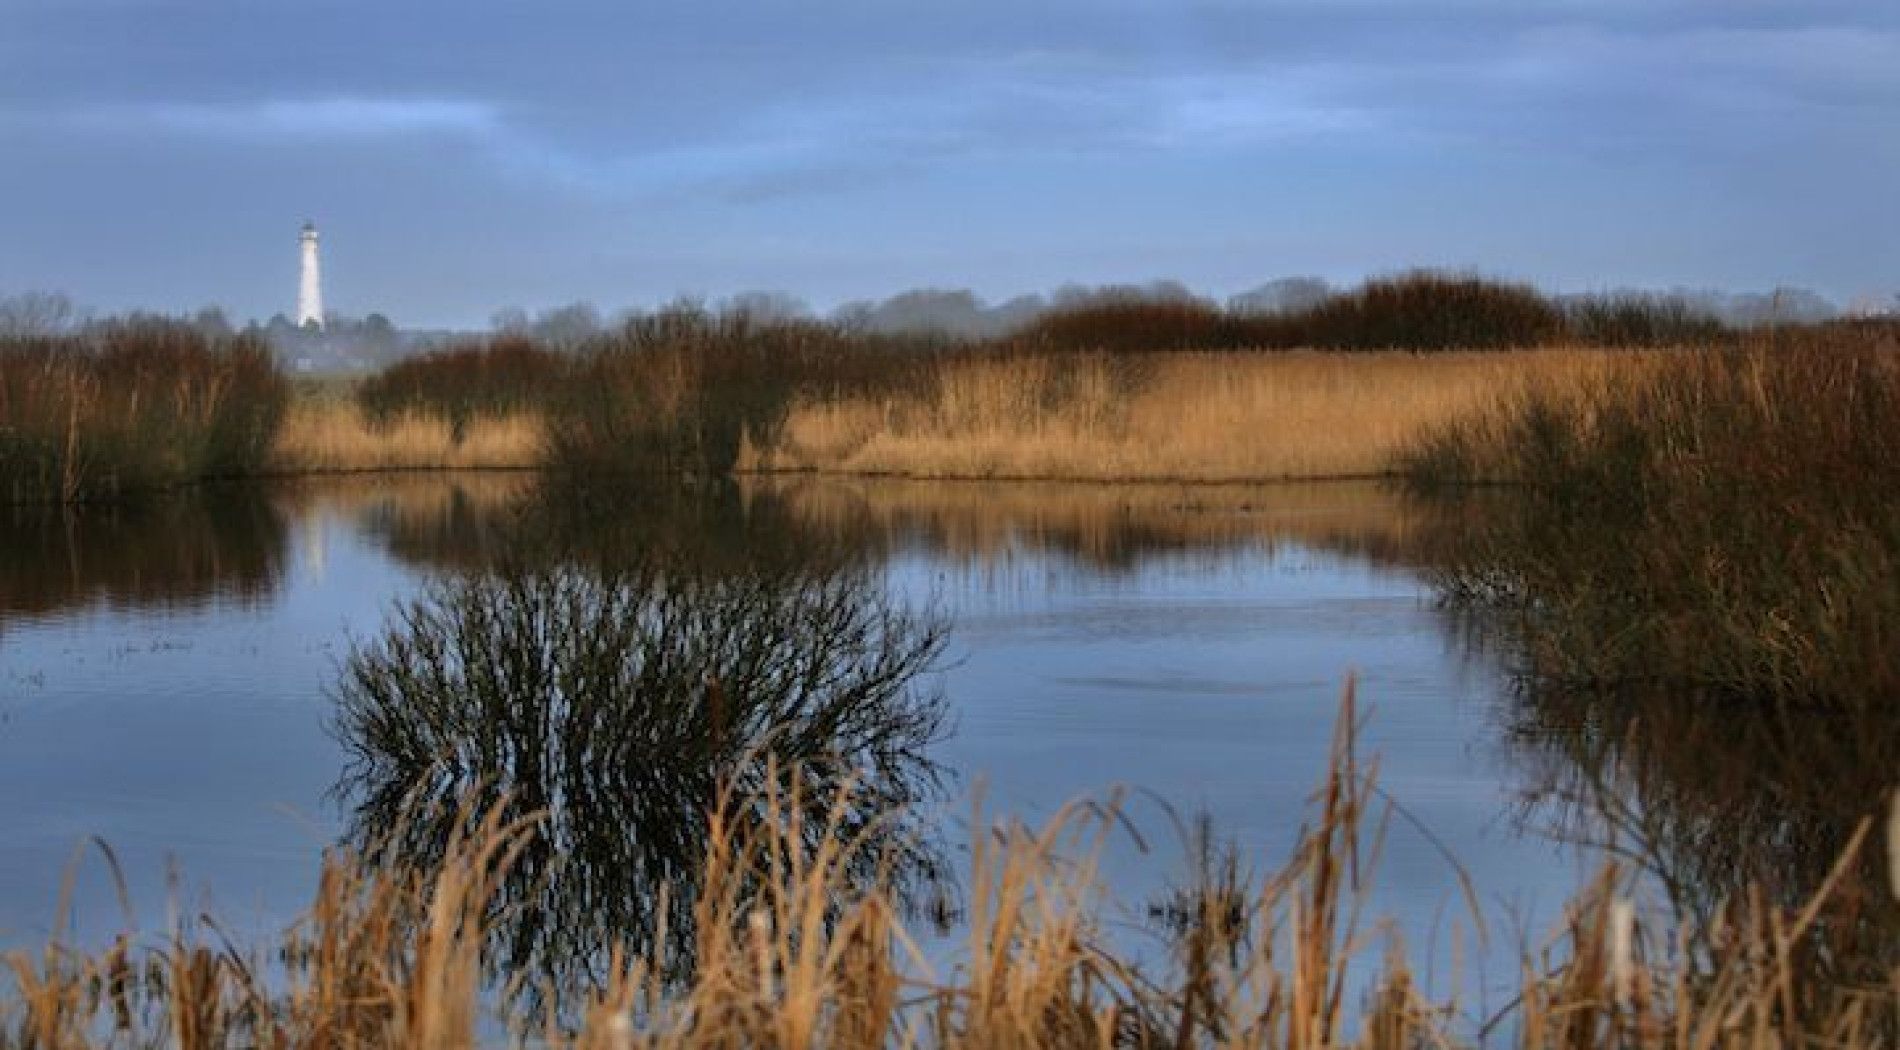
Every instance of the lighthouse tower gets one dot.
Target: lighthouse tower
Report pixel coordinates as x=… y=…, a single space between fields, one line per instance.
x=310 y=287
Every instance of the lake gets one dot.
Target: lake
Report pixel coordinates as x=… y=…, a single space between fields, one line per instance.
x=169 y=678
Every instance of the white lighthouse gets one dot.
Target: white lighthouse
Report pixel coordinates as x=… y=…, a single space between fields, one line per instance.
x=310 y=287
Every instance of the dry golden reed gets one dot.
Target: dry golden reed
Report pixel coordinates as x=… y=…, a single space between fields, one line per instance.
x=1213 y=416
x=332 y=436
x=790 y=954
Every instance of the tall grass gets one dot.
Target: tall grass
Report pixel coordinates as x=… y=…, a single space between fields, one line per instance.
x=686 y=391
x=1723 y=522
x=1176 y=417
x=792 y=949
x=328 y=435
x=128 y=408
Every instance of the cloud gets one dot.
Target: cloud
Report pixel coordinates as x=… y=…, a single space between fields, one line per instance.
x=343 y=117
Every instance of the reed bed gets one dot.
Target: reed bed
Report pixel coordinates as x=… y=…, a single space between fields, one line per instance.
x=1188 y=416
x=334 y=436
x=793 y=949
x=1723 y=523
x=128 y=408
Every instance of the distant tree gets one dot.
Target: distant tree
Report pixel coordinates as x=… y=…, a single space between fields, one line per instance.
x=568 y=325
x=1015 y=313
x=212 y=321
x=766 y=306
x=509 y=319
x=854 y=315
x=942 y=311
x=36 y=313
x=1288 y=295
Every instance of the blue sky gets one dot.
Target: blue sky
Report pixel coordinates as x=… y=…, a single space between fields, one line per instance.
x=465 y=156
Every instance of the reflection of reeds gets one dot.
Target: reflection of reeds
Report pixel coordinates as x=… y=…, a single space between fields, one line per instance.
x=1105 y=525
x=1714 y=806
x=1181 y=416
x=791 y=951
x=195 y=547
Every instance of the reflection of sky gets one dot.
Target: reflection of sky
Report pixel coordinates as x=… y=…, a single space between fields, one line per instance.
x=1208 y=678
x=1212 y=682
x=193 y=734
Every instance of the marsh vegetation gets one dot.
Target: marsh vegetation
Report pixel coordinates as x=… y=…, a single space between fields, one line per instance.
x=131 y=407
x=649 y=759
x=612 y=709
x=116 y=409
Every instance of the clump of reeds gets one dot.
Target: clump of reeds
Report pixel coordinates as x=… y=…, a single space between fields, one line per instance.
x=615 y=705
x=1722 y=520
x=684 y=390
x=131 y=407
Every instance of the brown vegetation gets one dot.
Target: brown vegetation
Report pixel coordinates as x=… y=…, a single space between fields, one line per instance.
x=791 y=949
x=1723 y=523
x=331 y=436
x=508 y=375
x=129 y=408
x=1417 y=311
x=1176 y=417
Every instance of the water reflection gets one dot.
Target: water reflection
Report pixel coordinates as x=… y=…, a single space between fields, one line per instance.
x=614 y=702
x=1713 y=802
x=1108 y=527
x=202 y=546
x=436 y=521
x=1713 y=790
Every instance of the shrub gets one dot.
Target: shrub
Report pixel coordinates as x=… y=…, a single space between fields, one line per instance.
x=616 y=705
x=496 y=377
x=683 y=389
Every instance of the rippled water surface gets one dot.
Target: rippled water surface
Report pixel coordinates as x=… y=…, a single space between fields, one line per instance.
x=168 y=675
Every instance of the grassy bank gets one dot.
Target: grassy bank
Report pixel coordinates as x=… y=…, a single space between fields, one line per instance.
x=1720 y=523
x=1161 y=416
x=793 y=946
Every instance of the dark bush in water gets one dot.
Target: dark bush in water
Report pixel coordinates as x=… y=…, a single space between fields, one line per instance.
x=617 y=704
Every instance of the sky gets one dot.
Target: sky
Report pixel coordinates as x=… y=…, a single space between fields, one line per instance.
x=461 y=157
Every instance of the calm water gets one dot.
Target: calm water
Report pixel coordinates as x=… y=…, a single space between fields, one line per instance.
x=167 y=677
